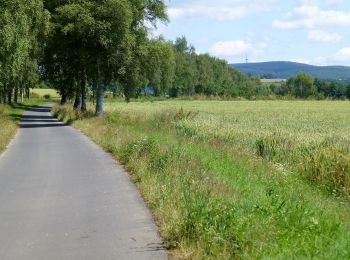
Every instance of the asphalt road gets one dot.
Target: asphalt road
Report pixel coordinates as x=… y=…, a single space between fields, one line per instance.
x=62 y=197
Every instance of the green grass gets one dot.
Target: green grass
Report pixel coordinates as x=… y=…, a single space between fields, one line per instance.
x=41 y=93
x=218 y=178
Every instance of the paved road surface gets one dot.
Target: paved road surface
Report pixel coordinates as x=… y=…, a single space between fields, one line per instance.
x=62 y=197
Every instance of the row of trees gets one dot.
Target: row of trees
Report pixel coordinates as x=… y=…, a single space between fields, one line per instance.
x=82 y=47
x=94 y=43
x=24 y=24
x=75 y=45
x=303 y=85
x=203 y=74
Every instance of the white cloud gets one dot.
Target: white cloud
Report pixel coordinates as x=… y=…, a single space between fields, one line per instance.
x=322 y=36
x=222 y=10
x=343 y=55
x=334 y=2
x=236 y=49
x=310 y=16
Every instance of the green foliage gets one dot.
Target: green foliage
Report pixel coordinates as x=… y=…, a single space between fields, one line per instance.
x=23 y=29
x=301 y=85
x=96 y=43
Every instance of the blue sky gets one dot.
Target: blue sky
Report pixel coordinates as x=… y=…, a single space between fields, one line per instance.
x=310 y=31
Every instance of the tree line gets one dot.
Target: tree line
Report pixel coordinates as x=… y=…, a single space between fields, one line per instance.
x=305 y=86
x=23 y=27
x=83 y=47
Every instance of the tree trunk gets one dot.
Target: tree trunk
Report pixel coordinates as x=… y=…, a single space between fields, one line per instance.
x=28 y=93
x=77 y=101
x=15 y=98
x=4 y=93
x=22 y=92
x=99 y=100
x=9 y=96
x=83 y=90
x=99 y=94
x=63 y=98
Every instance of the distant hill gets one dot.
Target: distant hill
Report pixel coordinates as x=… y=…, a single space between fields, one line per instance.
x=285 y=69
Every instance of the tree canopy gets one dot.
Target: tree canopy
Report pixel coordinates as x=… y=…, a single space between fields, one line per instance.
x=23 y=29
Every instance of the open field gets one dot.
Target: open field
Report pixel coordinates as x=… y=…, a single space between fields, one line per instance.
x=264 y=179
x=276 y=82
x=41 y=92
x=270 y=81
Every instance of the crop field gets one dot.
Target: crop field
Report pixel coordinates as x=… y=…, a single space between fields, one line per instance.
x=276 y=82
x=236 y=179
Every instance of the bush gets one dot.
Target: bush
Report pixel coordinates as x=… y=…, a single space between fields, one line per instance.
x=47 y=96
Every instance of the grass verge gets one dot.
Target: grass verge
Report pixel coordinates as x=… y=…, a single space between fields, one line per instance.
x=213 y=201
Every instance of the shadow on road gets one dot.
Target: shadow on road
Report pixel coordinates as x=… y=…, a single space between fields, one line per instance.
x=41 y=125
x=38 y=120
x=41 y=109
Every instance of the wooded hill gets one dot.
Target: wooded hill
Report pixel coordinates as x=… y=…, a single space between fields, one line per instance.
x=285 y=69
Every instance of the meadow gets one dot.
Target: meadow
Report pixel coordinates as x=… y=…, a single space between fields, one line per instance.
x=44 y=92
x=236 y=179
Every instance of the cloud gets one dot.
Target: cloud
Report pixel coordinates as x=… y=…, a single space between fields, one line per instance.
x=343 y=55
x=221 y=10
x=310 y=16
x=322 y=36
x=236 y=49
x=334 y=2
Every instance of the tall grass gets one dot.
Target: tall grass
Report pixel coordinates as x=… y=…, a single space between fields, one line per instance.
x=214 y=198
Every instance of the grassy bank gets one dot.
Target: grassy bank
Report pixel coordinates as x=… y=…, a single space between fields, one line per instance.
x=212 y=193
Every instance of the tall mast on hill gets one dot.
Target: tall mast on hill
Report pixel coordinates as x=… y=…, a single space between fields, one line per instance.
x=246 y=59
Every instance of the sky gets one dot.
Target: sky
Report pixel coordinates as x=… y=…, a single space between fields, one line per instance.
x=309 y=31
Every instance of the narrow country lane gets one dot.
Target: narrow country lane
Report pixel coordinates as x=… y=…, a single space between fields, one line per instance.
x=62 y=197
